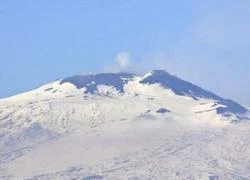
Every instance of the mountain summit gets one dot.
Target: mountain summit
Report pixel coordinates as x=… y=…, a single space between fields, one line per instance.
x=180 y=87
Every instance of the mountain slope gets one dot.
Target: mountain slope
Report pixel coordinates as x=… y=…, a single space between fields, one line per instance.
x=184 y=88
x=123 y=126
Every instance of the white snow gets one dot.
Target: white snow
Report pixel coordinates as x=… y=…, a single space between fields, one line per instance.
x=58 y=132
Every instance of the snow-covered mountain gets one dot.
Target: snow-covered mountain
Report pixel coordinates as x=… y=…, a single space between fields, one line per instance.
x=123 y=126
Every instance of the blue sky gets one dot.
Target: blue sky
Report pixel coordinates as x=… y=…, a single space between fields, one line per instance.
x=206 y=42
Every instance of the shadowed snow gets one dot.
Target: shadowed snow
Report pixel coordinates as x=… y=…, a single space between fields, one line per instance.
x=90 y=82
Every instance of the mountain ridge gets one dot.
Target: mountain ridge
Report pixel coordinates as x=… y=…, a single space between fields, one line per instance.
x=177 y=85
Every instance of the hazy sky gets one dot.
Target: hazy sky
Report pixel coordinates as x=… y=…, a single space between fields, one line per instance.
x=206 y=42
